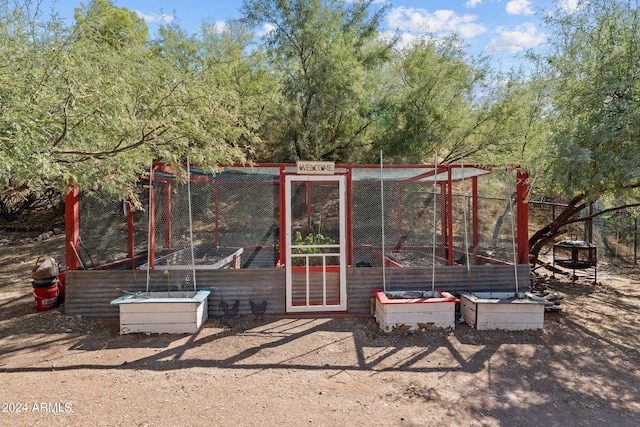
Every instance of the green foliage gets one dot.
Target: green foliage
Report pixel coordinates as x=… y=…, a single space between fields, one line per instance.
x=427 y=100
x=592 y=75
x=323 y=51
x=243 y=70
x=310 y=239
x=100 y=22
x=95 y=103
x=93 y=106
x=313 y=239
x=596 y=98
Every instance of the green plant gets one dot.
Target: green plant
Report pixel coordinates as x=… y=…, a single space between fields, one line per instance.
x=310 y=240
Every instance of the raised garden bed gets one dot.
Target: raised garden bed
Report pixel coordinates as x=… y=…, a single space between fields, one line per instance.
x=503 y=310
x=414 y=310
x=162 y=312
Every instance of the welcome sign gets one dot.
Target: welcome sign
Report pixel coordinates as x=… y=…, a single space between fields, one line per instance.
x=315 y=167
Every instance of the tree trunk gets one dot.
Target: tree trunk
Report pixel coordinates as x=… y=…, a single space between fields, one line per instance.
x=500 y=220
x=547 y=233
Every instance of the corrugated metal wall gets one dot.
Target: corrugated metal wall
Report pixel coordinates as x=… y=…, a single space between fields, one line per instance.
x=88 y=293
x=454 y=279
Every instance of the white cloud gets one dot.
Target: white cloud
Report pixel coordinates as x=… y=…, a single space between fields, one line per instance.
x=266 y=29
x=472 y=3
x=441 y=21
x=519 y=7
x=155 y=18
x=524 y=36
x=570 y=6
x=407 y=40
x=216 y=27
x=403 y=40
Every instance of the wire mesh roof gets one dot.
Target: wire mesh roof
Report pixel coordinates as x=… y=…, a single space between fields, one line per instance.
x=457 y=174
x=419 y=174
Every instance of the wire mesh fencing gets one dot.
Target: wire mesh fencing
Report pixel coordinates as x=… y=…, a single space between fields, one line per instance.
x=414 y=216
x=103 y=230
x=615 y=234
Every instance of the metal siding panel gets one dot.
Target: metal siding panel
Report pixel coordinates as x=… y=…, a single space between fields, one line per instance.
x=361 y=281
x=244 y=285
x=89 y=293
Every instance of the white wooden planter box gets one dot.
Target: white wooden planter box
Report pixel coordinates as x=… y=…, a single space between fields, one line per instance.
x=503 y=310
x=226 y=258
x=414 y=310
x=162 y=312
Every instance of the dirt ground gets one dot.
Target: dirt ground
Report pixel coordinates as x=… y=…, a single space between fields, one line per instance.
x=582 y=370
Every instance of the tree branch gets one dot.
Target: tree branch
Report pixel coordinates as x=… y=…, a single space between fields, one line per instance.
x=144 y=139
x=13 y=190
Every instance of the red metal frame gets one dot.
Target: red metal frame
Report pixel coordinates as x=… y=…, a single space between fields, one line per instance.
x=72 y=227
x=349 y=218
x=166 y=203
x=130 y=235
x=446 y=212
x=386 y=260
x=474 y=219
x=522 y=194
x=152 y=220
x=216 y=192
x=443 y=220
x=283 y=232
x=450 y=218
x=399 y=216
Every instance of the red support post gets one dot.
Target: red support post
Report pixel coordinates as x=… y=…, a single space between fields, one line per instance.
x=168 y=242
x=474 y=219
x=522 y=194
x=349 y=228
x=399 y=216
x=152 y=223
x=216 y=191
x=449 y=216
x=308 y=190
x=130 y=234
x=72 y=229
x=283 y=222
x=443 y=220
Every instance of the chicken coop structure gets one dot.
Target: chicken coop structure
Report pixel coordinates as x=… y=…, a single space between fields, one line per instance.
x=307 y=238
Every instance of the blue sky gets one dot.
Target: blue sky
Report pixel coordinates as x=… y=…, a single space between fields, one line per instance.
x=502 y=29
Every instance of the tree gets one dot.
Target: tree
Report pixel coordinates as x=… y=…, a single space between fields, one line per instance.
x=436 y=97
x=594 y=83
x=92 y=105
x=323 y=51
x=427 y=104
x=242 y=69
x=100 y=22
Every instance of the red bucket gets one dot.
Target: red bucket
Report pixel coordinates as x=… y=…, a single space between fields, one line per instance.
x=46 y=298
x=61 y=283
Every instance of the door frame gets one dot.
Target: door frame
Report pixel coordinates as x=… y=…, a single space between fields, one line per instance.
x=341 y=180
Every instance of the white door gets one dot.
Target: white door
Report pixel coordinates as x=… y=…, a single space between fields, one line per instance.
x=315 y=251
